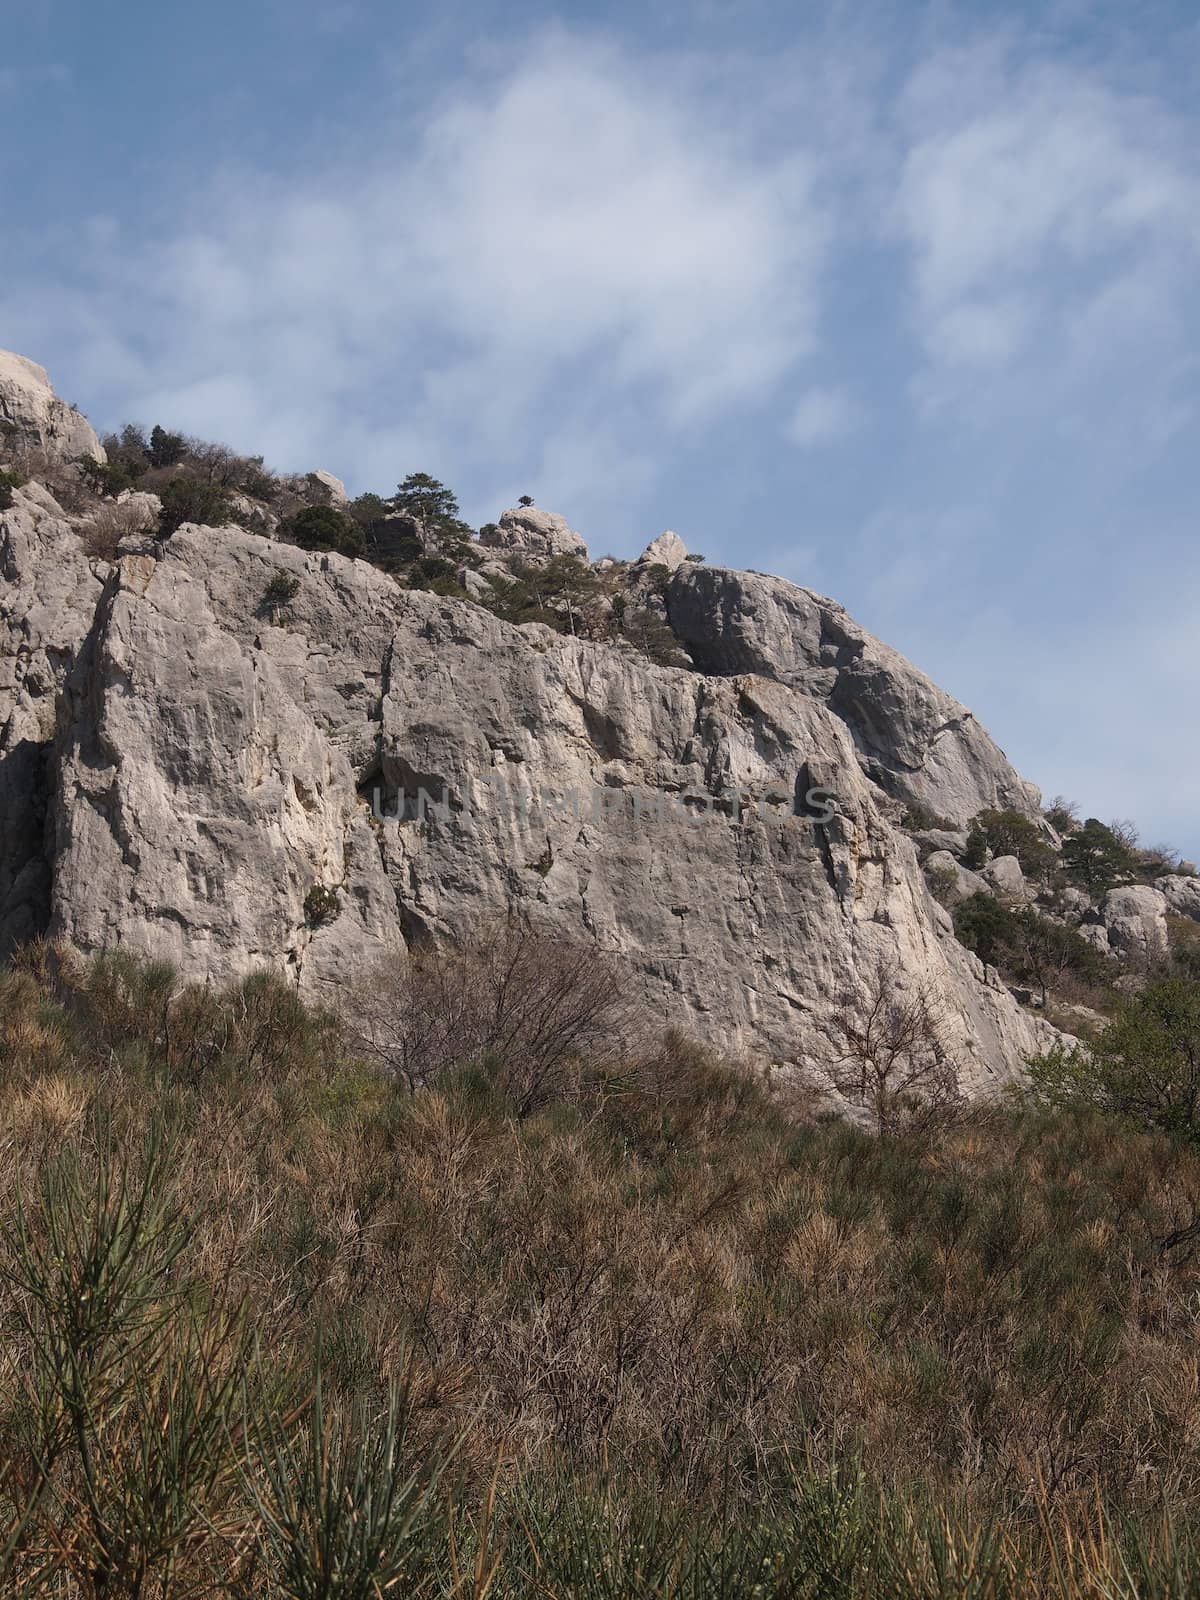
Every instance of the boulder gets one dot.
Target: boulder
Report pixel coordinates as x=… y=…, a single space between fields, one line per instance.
x=32 y=417
x=954 y=882
x=142 y=508
x=1073 y=904
x=1006 y=878
x=1135 y=920
x=335 y=487
x=529 y=531
x=668 y=550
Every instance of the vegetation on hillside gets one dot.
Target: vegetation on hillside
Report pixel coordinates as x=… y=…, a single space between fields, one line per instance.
x=284 y=1319
x=416 y=534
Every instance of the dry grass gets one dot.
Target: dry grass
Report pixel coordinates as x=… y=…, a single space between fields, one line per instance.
x=651 y=1324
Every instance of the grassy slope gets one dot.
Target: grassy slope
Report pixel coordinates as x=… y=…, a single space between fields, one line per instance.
x=658 y=1338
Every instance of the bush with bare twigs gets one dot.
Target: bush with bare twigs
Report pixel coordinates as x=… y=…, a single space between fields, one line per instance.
x=110 y=523
x=515 y=1001
x=893 y=1056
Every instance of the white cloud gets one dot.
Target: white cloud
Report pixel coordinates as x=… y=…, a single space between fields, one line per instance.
x=821 y=417
x=573 y=239
x=1036 y=198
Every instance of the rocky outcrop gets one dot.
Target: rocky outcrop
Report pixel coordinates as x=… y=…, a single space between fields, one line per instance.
x=210 y=767
x=32 y=417
x=668 y=550
x=1135 y=921
x=1005 y=879
x=910 y=737
x=531 y=532
x=1182 y=895
x=184 y=760
x=48 y=598
x=333 y=487
x=952 y=882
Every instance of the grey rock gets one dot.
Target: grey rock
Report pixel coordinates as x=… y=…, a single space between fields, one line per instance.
x=1182 y=895
x=178 y=770
x=532 y=532
x=909 y=736
x=1096 y=935
x=33 y=418
x=48 y=597
x=142 y=508
x=335 y=486
x=211 y=767
x=1135 y=919
x=956 y=883
x=1074 y=903
x=1006 y=878
x=668 y=550
x=940 y=839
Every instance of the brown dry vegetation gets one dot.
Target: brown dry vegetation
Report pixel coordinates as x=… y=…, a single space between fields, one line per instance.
x=276 y=1324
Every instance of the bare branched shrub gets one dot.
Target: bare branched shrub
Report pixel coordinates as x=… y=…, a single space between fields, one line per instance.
x=893 y=1056
x=521 y=1002
x=112 y=522
x=68 y=481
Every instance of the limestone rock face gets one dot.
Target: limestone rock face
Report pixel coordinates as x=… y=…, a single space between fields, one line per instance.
x=211 y=767
x=532 y=532
x=1135 y=920
x=668 y=550
x=48 y=597
x=1182 y=895
x=182 y=763
x=32 y=417
x=910 y=737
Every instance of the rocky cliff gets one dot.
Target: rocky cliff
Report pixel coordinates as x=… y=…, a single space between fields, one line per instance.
x=182 y=763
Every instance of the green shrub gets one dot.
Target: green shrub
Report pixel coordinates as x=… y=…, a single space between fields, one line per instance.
x=920 y=818
x=1062 y=814
x=1145 y=1065
x=166 y=449
x=426 y=499
x=320 y=905
x=257 y=483
x=1027 y=946
x=942 y=883
x=1009 y=833
x=1096 y=858
x=9 y=481
x=188 y=499
x=280 y=592
x=646 y=631
x=324 y=528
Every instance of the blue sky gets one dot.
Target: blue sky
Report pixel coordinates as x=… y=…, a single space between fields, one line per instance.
x=897 y=300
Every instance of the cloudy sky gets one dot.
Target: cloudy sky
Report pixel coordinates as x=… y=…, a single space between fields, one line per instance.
x=898 y=300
